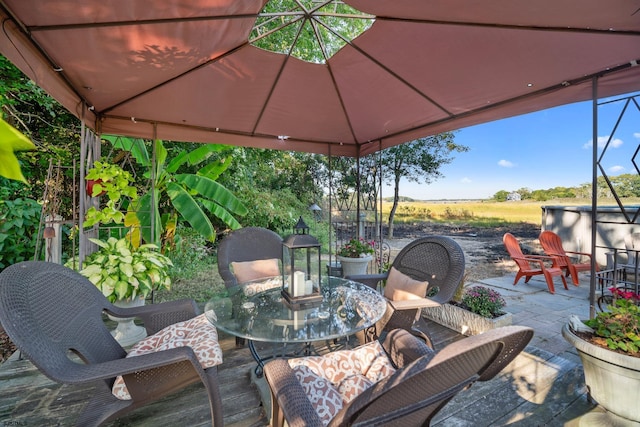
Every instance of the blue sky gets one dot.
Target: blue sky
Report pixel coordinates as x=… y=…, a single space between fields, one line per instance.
x=538 y=151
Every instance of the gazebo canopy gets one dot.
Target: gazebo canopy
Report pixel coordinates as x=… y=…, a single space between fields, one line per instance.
x=185 y=70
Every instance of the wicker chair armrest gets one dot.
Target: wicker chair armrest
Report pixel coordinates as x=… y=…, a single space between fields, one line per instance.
x=403 y=347
x=159 y=316
x=289 y=395
x=370 y=280
x=411 y=304
x=129 y=365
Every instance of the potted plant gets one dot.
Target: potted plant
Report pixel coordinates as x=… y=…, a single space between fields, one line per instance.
x=126 y=275
x=609 y=348
x=354 y=256
x=479 y=309
x=111 y=180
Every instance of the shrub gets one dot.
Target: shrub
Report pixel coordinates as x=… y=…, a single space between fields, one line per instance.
x=19 y=219
x=483 y=301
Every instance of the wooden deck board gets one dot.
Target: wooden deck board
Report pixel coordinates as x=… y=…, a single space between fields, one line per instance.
x=539 y=388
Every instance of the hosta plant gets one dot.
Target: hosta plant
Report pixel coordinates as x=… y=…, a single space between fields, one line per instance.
x=123 y=272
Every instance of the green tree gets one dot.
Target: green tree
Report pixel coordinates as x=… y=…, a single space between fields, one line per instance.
x=525 y=193
x=417 y=161
x=54 y=131
x=501 y=196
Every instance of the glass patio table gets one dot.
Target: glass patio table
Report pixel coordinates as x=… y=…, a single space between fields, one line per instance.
x=256 y=311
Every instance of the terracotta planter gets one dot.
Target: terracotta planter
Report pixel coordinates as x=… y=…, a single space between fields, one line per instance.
x=352 y=266
x=613 y=379
x=463 y=321
x=89 y=187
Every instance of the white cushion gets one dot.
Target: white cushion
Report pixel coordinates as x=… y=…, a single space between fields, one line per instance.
x=247 y=271
x=402 y=287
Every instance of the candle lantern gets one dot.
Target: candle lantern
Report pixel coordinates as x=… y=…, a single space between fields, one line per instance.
x=301 y=267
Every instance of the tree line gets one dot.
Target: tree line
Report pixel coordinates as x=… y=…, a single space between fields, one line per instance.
x=625 y=185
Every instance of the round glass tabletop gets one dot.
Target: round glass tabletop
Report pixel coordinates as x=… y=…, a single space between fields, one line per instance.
x=257 y=311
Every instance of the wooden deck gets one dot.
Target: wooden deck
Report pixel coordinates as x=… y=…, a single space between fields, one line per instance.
x=539 y=388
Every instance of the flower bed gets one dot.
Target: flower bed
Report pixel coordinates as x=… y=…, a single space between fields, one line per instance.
x=479 y=310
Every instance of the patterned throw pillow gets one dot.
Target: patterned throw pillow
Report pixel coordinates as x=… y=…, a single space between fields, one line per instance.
x=402 y=287
x=197 y=333
x=335 y=379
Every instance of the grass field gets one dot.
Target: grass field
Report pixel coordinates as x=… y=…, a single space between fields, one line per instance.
x=481 y=213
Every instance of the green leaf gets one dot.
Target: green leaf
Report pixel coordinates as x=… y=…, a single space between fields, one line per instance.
x=12 y=140
x=144 y=216
x=127 y=269
x=190 y=211
x=177 y=161
x=135 y=146
x=161 y=157
x=221 y=213
x=213 y=191
x=121 y=289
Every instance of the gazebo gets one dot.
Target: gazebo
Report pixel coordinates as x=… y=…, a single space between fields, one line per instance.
x=200 y=71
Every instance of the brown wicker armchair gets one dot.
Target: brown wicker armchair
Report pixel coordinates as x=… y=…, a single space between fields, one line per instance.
x=245 y=245
x=50 y=311
x=423 y=382
x=438 y=260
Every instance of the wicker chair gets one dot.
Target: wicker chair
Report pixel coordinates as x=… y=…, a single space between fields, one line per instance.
x=532 y=265
x=552 y=245
x=411 y=396
x=246 y=244
x=50 y=311
x=439 y=260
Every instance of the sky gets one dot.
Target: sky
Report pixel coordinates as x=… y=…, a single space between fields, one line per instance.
x=539 y=150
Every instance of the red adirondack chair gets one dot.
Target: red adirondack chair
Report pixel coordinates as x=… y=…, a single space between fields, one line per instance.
x=532 y=265
x=552 y=245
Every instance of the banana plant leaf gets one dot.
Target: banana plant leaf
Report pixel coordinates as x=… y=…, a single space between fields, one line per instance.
x=12 y=140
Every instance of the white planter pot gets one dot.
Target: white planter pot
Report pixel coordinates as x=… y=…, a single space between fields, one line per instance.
x=613 y=379
x=127 y=332
x=464 y=321
x=352 y=266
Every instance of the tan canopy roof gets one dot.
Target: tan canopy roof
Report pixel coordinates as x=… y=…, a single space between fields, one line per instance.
x=184 y=69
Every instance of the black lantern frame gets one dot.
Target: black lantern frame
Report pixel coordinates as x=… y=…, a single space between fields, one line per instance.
x=301 y=267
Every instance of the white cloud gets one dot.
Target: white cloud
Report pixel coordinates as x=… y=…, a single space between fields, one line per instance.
x=506 y=163
x=466 y=180
x=602 y=140
x=636 y=135
x=616 y=169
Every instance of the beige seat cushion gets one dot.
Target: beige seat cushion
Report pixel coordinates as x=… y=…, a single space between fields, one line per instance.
x=402 y=287
x=197 y=333
x=246 y=271
x=335 y=379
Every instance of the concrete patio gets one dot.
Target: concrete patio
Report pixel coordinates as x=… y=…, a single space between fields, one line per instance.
x=543 y=386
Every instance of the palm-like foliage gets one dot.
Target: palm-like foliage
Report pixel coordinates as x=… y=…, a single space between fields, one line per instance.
x=193 y=196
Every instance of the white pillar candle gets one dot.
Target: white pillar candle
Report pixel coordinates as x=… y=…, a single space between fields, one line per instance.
x=308 y=287
x=298 y=283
